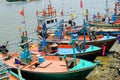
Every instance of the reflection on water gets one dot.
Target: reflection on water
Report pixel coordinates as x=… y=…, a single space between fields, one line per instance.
x=10 y=19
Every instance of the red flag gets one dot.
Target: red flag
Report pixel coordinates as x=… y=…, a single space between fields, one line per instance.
x=81 y=5
x=21 y=12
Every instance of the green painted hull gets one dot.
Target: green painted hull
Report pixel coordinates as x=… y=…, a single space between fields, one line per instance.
x=111 y=29
x=89 y=54
x=14 y=0
x=78 y=72
x=104 y=25
x=70 y=75
x=99 y=43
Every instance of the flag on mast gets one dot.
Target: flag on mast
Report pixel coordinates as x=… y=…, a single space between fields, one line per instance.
x=49 y=2
x=21 y=12
x=62 y=13
x=23 y=22
x=81 y=5
x=107 y=4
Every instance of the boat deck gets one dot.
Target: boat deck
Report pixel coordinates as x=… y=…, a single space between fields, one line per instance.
x=68 y=37
x=51 y=64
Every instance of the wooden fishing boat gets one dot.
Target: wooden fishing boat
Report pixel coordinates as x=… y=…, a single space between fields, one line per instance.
x=99 y=41
x=107 y=24
x=15 y=0
x=56 y=70
x=108 y=40
x=104 y=25
x=103 y=28
x=21 y=0
x=89 y=53
x=48 y=67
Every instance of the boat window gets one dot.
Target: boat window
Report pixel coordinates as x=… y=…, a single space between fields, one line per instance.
x=55 y=20
x=52 y=21
x=48 y=22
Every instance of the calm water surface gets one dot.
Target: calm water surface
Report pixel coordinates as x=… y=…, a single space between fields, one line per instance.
x=10 y=19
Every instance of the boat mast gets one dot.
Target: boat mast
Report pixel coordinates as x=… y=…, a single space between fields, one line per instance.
x=73 y=42
x=107 y=9
x=24 y=22
x=117 y=7
x=115 y=10
x=107 y=16
x=84 y=47
x=46 y=13
x=19 y=73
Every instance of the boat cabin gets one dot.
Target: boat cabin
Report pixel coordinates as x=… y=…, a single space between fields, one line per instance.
x=51 y=22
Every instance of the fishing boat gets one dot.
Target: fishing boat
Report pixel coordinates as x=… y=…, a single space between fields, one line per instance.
x=53 y=70
x=99 y=41
x=53 y=19
x=21 y=0
x=15 y=0
x=91 y=39
x=45 y=67
x=103 y=28
x=60 y=49
x=107 y=24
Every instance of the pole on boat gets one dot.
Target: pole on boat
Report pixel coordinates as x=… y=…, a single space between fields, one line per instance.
x=24 y=17
x=119 y=35
x=107 y=9
x=20 y=28
x=84 y=45
x=74 y=54
x=19 y=73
